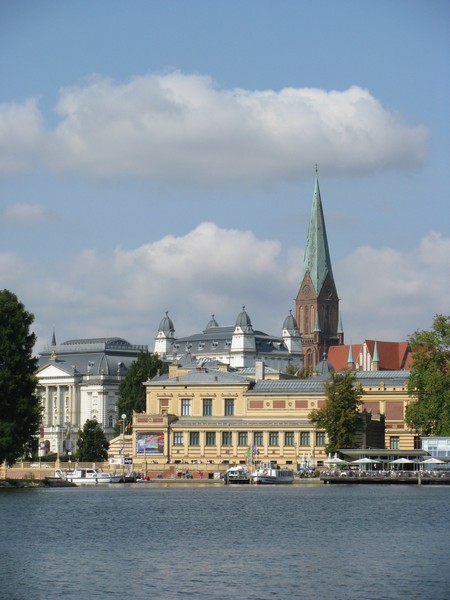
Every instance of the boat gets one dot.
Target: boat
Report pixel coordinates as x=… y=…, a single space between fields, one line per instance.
x=237 y=474
x=271 y=473
x=87 y=476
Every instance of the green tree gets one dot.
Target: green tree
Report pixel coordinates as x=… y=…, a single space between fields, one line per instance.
x=303 y=373
x=131 y=389
x=340 y=417
x=429 y=381
x=20 y=407
x=92 y=443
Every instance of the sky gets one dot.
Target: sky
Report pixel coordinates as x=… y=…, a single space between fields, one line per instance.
x=160 y=156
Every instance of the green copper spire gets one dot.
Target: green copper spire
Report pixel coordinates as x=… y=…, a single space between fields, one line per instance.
x=317 y=256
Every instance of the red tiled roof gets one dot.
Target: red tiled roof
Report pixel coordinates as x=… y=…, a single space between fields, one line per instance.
x=393 y=356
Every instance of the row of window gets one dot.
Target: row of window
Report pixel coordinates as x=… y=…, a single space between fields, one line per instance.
x=244 y=439
x=207 y=407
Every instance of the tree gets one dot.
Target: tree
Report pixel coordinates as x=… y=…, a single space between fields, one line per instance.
x=429 y=381
x=20 y=407
x=131 y=389
x=340 y=417
x=92 y=443
x=302 y=373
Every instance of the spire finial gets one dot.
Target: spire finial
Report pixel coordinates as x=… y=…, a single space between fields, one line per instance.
x=317 y=168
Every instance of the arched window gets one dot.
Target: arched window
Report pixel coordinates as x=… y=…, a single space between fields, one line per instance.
x=306 y=320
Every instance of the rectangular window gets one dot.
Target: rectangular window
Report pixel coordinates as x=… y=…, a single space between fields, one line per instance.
x=207 y=407
x=305 y=438
x=289 y=438
x=242 y=438
x=394 y=443
x=273 y=438
x=227 y=438
x=185 y=407
x=210 y=438
x=320 y=438
x=258 y=438
x=194 y=438
x=177 y=438
x=229 y=407
x=417 y=442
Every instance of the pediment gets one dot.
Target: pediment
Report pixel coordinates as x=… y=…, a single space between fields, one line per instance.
x=52 y=371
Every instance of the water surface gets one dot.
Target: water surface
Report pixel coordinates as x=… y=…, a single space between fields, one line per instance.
x=249 y=542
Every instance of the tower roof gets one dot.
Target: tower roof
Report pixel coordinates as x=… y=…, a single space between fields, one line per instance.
x=317 y=260
x=166 y=325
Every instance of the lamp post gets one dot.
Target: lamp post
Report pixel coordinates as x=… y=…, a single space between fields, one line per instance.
x=123 y=444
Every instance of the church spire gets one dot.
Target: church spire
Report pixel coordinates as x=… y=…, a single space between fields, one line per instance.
x=317 y=301
x=317 y=260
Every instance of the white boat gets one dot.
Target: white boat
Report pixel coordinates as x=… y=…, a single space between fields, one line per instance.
x=270 y=473
x=87 y=476
x=237 y=474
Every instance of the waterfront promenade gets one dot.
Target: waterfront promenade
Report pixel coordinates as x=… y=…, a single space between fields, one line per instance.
x=210 y=474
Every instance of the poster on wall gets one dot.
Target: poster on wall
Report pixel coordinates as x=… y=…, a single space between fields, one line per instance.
x=150 y=443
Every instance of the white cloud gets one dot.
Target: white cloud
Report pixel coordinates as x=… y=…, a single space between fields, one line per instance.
x=182 y=128
x=385 y=294
x=25 y=213
x=22 y=137
x=393 y=293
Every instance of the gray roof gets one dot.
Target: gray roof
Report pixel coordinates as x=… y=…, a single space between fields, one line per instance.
x=315 y=385
x=201 y=376
x=217 y=340
x=92 y=356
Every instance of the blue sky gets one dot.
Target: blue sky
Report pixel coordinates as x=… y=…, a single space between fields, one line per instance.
x=160 y=156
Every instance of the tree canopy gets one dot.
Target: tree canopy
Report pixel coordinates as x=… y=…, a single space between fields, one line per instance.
x=131 y=391
x=340 y=417
x=20 y=407
x=92 y=443
x=429 y=381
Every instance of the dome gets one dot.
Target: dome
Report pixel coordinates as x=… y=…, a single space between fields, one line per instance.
x=243 y=320
x=212 y=323
x=166 y=325
x=324 y=367
x=290 y=324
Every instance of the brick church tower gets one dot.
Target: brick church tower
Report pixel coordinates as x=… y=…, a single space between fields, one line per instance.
x=317 y=302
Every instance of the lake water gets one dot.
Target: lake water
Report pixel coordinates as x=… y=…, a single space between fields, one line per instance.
x=249 y=542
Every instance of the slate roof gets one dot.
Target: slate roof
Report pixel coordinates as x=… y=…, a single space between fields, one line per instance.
x=201 y=376
x=217 y=340
x=91 y=356
x=315 y=385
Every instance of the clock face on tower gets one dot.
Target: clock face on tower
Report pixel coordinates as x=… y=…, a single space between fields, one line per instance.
x=306 y=291
x=328 y=291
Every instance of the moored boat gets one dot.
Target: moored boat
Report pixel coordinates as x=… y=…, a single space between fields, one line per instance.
x=237 y=474
x=87 y=476
x=271 y=473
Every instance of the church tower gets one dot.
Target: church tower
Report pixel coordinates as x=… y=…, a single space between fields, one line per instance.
x=317 y=302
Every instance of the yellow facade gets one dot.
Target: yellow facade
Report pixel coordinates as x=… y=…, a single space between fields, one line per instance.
x=212 y=417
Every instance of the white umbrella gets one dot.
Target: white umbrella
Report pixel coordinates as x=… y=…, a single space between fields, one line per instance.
x=432 y=461
x=336 y=461
x=365 y=461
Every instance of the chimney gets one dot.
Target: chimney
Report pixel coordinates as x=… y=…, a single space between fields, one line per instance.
x=260 y=372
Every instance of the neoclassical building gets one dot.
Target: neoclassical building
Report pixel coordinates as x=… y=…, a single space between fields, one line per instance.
x=239 y=346
x=79 y=380
x=201 y=415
